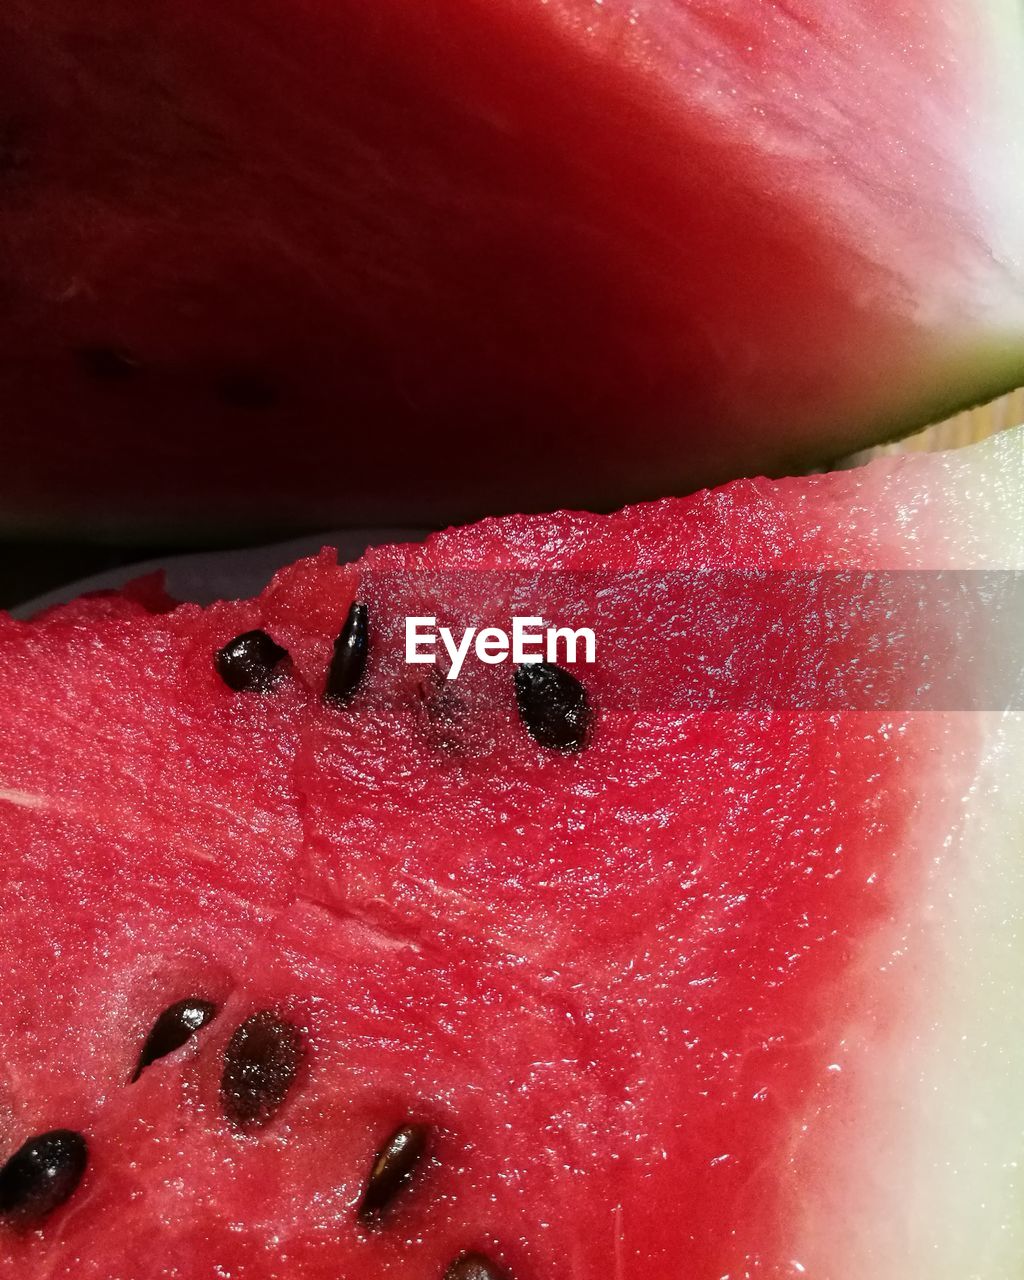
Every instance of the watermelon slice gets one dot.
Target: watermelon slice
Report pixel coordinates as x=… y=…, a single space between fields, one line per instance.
x=701 y=960
x=495 y=255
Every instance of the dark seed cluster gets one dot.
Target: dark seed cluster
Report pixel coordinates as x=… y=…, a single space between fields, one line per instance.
x=553 y=705
x=265 y=1052
x=261 y=1061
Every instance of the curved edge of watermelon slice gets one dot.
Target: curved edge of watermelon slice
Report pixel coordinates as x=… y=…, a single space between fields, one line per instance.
x=529 y=255
x=752 y=979
x=206 y=576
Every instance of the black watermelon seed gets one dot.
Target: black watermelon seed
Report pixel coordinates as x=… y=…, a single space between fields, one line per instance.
x=553 y=706
x=41 y=1175
x=109 y=364
x=392 y=1168
x=474 y=1266
x=260 y=1063
x=246 y=664
x=349 y=661
x=175 y=1026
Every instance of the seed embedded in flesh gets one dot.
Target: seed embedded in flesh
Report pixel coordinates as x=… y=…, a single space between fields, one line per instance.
x=392 y=1169
x=349 y=661
x=260 y=1063
x=474 y=1266
x=248 y=663
x=41 y=1175
x=553 y=706
x=177 y=1025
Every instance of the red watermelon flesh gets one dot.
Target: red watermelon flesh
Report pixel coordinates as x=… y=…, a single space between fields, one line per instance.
x=731 y=991
x=495 y=255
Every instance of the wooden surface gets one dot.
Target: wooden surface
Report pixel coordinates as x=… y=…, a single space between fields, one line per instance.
x=965 y=428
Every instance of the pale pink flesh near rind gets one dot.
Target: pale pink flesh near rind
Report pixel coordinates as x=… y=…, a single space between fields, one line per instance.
x=728 y=991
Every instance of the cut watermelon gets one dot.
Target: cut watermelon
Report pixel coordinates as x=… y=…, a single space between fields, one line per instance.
x=493 y=255
x=379 y=986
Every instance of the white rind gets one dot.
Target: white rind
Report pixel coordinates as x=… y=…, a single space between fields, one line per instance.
x=969 y=1174
x=996 y=153
x=909 y=1163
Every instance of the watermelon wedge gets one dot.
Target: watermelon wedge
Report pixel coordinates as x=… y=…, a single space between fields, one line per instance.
x=497 y=256
x=699 y=960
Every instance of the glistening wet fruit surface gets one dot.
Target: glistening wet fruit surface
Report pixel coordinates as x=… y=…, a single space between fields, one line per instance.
x=730 y=987
x=316 y=263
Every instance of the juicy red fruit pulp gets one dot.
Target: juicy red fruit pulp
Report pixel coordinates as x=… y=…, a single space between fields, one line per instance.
x=490 y=255
x=604 y=983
